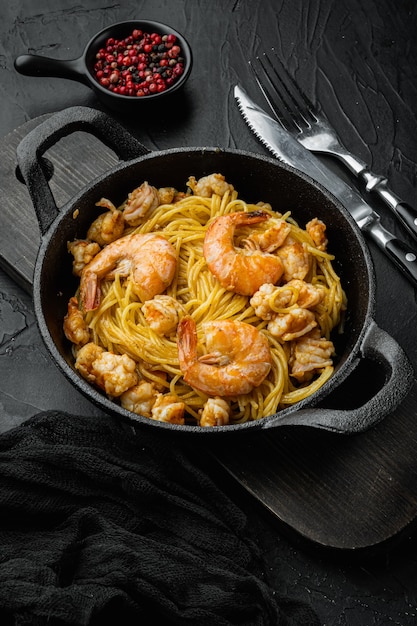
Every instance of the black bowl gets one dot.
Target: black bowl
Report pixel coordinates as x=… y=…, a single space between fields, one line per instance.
x=82 y=68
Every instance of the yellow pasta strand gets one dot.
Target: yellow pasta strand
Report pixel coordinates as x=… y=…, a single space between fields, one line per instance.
x=119 y=325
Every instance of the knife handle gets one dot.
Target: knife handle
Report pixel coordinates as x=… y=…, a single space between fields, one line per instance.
x=405 y=213
x=403 y=257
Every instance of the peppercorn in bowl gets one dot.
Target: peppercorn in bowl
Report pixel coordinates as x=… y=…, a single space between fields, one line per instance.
x=139 y=59
x=126 y=63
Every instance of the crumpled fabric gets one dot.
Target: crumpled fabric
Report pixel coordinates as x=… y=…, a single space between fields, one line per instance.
x=103 y=523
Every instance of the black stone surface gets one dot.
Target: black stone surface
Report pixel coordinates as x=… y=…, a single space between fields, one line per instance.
x=359 y=60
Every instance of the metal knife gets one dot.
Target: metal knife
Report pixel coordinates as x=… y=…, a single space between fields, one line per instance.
x=287 y=149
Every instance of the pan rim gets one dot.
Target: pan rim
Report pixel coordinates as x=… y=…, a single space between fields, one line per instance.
x=109 y=406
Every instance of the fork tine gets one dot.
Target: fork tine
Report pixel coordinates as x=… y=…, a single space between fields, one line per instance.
x=287 y=101
x=272 y=95
x=294 y=90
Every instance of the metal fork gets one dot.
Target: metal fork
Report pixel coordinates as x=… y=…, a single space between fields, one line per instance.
x=312 y=129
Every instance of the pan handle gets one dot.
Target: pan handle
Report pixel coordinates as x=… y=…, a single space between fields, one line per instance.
x=40 y=139
x=381 y=348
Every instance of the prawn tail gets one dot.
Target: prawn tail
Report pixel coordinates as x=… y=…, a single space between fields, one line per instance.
x=90 y=294
x=187 y=342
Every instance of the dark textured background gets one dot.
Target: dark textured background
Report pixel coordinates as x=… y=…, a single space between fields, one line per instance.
x=359 y=59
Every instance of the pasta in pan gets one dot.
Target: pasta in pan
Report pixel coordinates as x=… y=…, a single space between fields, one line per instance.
x=200 y=308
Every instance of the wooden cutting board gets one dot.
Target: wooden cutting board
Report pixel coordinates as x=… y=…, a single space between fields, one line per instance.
x=342 y=492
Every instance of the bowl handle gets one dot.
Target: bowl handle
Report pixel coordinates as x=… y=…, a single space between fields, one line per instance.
x=379 y=347
x=36 y=65
x=45 y=135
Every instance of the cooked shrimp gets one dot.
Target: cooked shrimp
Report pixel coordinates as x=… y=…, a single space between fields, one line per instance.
x=140 y=398
x=271 y=239
x=270 y=299
x=295 y=323
x=207 y=185
x=162 y=314
x=317 y=231
x=240 y=270
x=75 y=328
x=166 y=195
x=296 y=260
x=108 y=226
x=262 y=300
x=168 y=408
x=83 y=252
x=238 y=359
x=139 y=202
x=306 y=295
x=310 y=355
x=216 y=412
x=149 y=258
x=85 y=359
x=115 y=373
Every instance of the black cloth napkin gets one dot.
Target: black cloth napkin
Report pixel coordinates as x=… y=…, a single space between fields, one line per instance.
x=101 y=523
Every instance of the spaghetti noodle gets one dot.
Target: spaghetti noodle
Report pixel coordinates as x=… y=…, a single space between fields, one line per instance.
x=120 y=326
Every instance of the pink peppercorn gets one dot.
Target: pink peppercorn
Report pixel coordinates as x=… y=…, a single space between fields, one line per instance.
x=140 y=64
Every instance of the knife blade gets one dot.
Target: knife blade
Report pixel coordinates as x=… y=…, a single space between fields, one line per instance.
x=287 y=149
